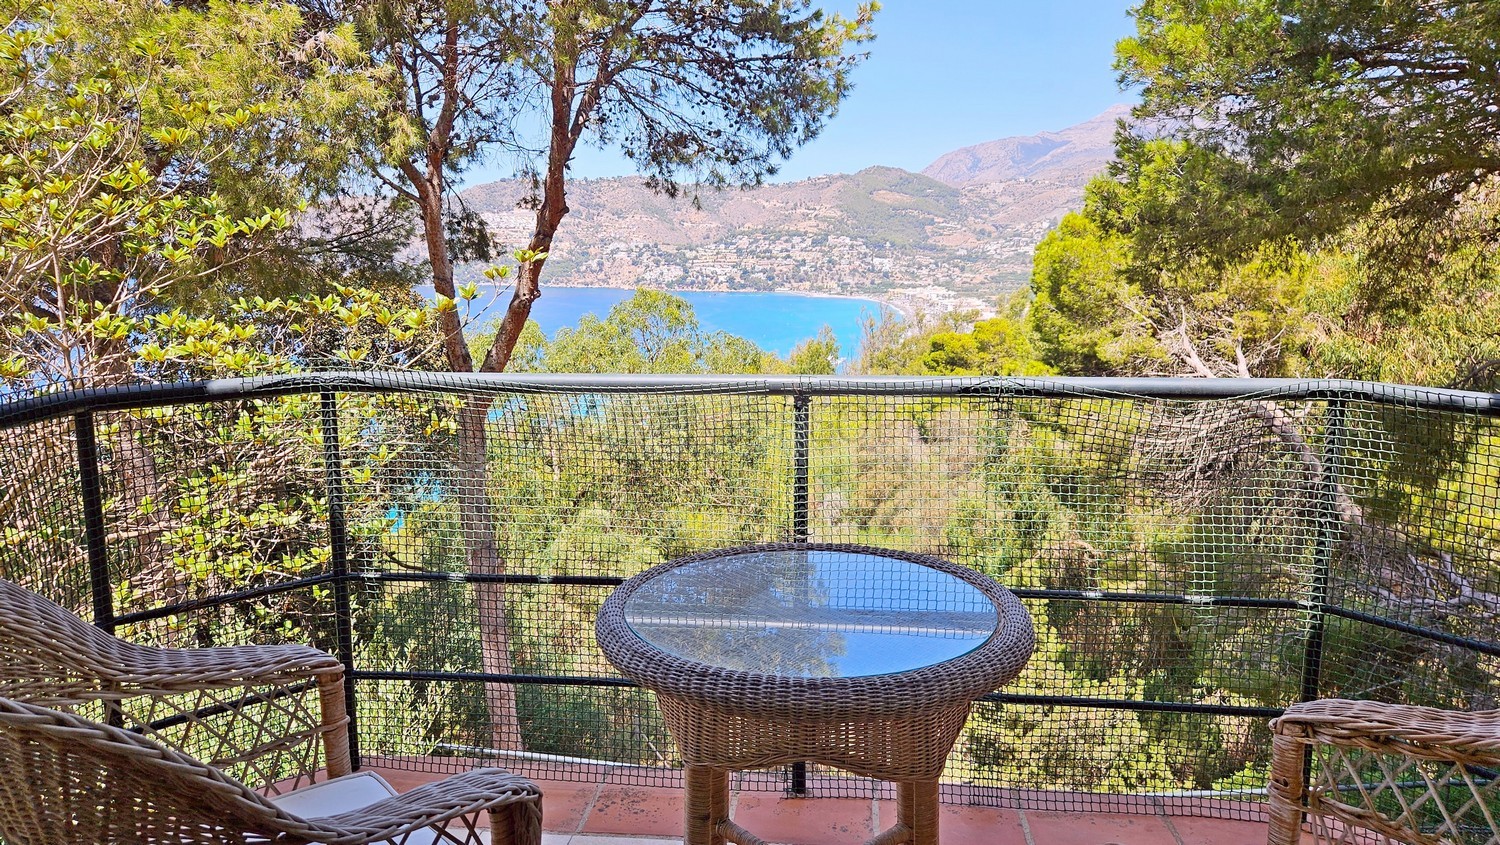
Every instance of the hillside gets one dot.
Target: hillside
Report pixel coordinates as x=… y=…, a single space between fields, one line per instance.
x=956 y=235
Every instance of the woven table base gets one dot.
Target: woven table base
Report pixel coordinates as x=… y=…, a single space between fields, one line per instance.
x=909 y=751
x=708 y=821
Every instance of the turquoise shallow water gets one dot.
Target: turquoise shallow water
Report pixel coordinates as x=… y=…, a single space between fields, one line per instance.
x=774 y=321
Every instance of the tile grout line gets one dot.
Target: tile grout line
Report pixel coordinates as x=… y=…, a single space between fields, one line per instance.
x=1167 y=820
x=1025 y=826
x=588 y=809
x=1161 y=812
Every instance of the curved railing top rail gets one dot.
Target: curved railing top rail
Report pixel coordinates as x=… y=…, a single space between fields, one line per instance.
x=34 y=408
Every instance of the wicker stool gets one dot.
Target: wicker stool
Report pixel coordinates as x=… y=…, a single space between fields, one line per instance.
x=861 y=658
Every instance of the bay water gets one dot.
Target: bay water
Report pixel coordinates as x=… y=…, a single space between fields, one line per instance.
x=776 y=322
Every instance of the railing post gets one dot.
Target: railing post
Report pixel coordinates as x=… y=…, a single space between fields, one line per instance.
x=801 y=451
x=100 y=588
x=1326 y=548
x=1324 y=551
x=338 y=541
x=801 y=447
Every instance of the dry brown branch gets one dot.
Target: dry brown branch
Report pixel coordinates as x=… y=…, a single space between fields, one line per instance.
x=1203 y=456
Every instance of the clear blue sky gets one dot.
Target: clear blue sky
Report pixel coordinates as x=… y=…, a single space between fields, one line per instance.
x=944 y=74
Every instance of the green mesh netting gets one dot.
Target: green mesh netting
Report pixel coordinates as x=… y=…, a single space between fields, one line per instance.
x=1193 y=564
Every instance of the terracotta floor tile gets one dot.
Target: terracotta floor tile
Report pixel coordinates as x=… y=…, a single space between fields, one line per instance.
x=804 y=821
x=636 y=811
x=1069 y=801
x=960 y=825
x=553 y=771
x=849 y=787
x=972 y=795
x=770 y=781
x=975 y=825
x=1212 y=808
x=652 y=815
x=640 y=776
x=1049 y=828
x=1200 y=831
x=564 y=804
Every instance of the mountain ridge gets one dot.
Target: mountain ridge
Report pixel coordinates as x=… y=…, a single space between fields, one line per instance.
x=955 y=235
x=1077 y=152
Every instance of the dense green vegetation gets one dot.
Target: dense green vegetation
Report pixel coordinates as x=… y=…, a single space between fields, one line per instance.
x=1306 y=190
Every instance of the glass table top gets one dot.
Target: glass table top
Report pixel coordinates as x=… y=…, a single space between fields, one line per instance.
x=811 y=613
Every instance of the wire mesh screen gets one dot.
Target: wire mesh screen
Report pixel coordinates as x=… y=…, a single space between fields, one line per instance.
x=42 y=527
x=211 y=500
x=498 y=570
x=1192 y=566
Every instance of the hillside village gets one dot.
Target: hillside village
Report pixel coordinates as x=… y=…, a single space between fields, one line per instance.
x=957 y=235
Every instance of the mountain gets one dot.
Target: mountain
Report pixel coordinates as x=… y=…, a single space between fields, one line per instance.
x=1072 y=155
x=956 y=235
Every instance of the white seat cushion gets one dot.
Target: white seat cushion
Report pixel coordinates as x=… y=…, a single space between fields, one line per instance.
x=341 y=795
x=331 y=797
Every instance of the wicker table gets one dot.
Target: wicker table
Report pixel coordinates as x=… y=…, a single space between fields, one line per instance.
x=861 y=658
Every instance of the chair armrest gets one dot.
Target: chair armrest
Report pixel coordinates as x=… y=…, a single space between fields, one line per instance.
x=261 y=710
x=437 y=804
x=148 y=670
x=51 y=657
x=1426 y=733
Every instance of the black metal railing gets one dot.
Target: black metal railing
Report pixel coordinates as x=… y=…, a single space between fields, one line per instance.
x=1198 y=553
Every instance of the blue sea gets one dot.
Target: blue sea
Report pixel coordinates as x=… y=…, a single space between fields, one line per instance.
x=776 y=322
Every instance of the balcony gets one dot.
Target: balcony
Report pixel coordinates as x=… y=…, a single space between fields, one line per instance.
x=585 y=805
x=1197 y=555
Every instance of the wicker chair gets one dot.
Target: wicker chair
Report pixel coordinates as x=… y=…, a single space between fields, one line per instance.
x=1384 y=773
x=66 y=780
x=262 y=713
x=195 y=741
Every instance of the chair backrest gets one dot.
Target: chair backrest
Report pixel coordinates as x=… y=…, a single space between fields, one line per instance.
x=66 y=780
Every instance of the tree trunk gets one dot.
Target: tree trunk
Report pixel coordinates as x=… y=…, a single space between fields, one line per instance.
x=139 y=477
x=477 y=514
x=478 y=517
x=566 y=128
x=1400 y=570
